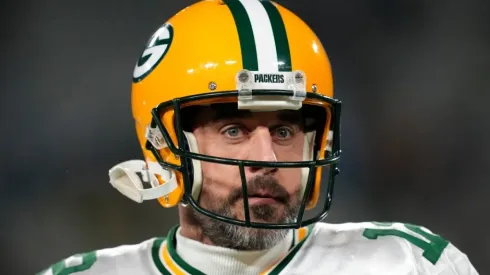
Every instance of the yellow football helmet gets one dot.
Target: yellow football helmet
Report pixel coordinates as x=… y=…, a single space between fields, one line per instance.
x=256 y=54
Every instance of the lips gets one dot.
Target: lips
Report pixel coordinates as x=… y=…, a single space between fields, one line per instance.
x=261 y=188
x=262 y=195
x=261 y=201
x=266 y=196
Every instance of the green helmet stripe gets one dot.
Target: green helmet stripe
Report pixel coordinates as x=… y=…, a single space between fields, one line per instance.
x=280 y=37
x=263 y=39
x=245 y=34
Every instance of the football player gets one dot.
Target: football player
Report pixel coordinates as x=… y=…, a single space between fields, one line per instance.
x=235 y=114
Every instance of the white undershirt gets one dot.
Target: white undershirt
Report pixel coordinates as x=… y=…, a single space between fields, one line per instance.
x=211 y=259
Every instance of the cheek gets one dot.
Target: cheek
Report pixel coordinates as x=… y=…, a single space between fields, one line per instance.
x=217 y=183
x=292 y=151
x=290 y=178
x=219 y=174
x=218 y=179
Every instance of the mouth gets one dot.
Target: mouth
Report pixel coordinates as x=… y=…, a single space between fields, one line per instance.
x=262 y=198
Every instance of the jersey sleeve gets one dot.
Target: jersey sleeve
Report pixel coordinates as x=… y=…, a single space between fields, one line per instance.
x=430 y=253
x=121 y=260
x=452 y=262
x=82 y=264
x=435 y=255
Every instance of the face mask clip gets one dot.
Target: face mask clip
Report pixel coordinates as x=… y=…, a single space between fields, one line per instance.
x=263 y=91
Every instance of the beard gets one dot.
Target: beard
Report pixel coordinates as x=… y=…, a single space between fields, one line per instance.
x=246 y=238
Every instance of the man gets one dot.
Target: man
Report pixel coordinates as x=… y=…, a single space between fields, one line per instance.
x=234 y=111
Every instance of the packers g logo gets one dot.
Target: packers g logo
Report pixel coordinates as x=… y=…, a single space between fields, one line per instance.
x=155 y=50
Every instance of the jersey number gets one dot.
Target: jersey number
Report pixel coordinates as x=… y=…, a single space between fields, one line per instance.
x=432 y=248
x=88 y=259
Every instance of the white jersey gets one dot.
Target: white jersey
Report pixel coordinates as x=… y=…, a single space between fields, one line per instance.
x=341 y=249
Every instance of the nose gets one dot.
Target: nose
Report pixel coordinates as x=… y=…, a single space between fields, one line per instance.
x=261 y=149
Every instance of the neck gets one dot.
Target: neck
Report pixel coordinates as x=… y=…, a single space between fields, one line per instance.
x=199 y=251
x=190 y=228
x=212 y=259
x=209 y=231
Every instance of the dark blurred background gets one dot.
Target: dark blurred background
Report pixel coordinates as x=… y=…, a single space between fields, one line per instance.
x=413 y=75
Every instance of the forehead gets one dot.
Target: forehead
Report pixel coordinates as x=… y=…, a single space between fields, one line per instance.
x=231 y=112
x=219 y=112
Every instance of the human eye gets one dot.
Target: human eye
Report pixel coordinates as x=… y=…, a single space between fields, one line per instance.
x=233 y=132
x=283 y=133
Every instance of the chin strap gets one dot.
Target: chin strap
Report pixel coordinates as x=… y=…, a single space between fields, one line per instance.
x=123 y=177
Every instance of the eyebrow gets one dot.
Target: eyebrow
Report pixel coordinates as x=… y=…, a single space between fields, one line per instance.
x=225 y=112
x=229 y=113
x=293 y=117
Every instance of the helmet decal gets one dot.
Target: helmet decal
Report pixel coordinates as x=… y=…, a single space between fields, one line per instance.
x=155 y=50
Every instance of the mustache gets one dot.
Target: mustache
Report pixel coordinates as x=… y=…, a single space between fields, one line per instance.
x=261 y=185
